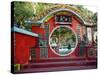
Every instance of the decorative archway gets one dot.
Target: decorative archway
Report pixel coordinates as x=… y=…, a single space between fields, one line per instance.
x=63 y=9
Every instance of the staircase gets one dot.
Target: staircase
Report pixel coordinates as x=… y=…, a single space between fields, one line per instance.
x=45 y=65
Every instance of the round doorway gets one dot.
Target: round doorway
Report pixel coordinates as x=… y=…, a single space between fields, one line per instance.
x=63 y=40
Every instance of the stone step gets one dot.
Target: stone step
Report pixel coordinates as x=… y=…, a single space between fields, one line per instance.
x=59 y=59
x=61 y=68
x=59 y=64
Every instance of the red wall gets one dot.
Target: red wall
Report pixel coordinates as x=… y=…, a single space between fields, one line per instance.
x=75 y=22
x=23 y=43
x=38 y=30
x=52 y=24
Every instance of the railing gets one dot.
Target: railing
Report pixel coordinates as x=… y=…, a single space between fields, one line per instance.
x=87 y=51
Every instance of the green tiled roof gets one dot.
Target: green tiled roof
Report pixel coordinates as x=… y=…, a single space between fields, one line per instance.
x=53 y=7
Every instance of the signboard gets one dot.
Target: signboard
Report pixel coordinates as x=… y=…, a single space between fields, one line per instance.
x=63 y=19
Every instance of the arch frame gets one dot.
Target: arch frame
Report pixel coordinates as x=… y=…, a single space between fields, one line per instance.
x=66 y=10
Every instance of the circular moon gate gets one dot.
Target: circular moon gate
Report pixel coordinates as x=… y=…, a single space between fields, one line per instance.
x=63 y=40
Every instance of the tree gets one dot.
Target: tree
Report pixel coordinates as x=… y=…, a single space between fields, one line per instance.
x=22 y=12
x=87 y=14
x=95 y=17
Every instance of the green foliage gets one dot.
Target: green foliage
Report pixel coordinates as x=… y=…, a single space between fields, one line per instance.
x=73 y=38
x=88 y=15
x=28 y=10
x=22 y=11
x=64 y=35
x=95 y=17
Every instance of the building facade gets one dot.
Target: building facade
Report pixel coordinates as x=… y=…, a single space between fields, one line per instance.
x=60 y=40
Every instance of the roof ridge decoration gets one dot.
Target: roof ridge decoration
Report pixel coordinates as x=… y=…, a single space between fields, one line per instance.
x=65 y=7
